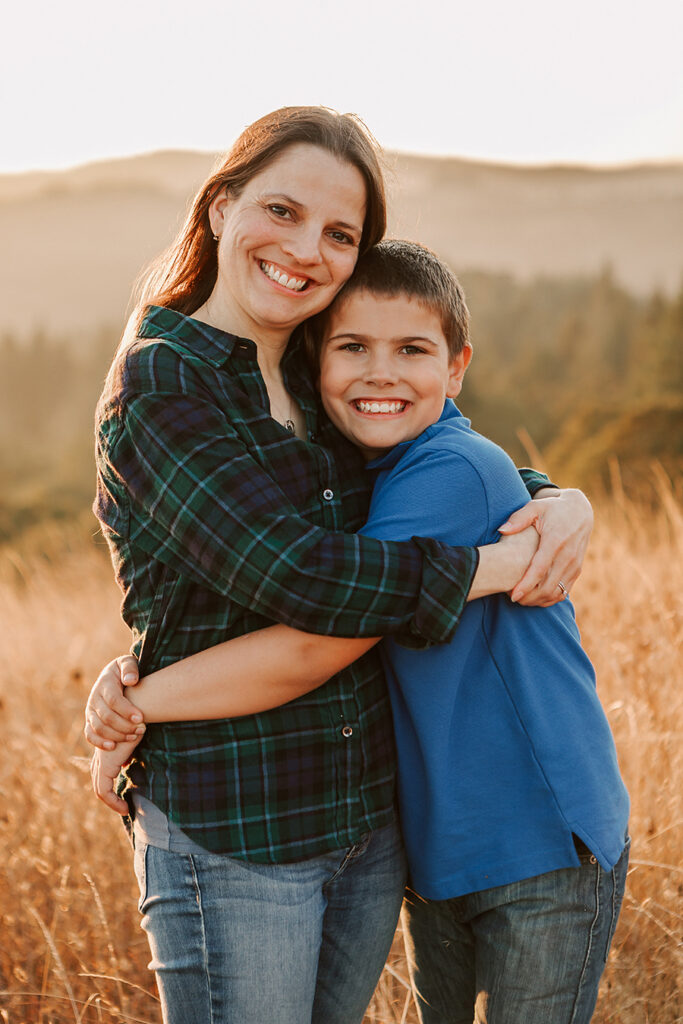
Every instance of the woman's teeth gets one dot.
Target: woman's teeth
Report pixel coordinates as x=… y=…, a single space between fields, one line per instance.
x=385 y=407
x=295 y=284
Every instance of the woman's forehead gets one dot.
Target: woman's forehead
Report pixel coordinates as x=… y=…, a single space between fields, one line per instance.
x=307 y=173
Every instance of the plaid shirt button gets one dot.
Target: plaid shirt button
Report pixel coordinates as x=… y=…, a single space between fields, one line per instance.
x=347 y=731
x=328 y=495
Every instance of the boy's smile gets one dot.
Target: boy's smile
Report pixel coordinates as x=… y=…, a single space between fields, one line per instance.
x=385 y=370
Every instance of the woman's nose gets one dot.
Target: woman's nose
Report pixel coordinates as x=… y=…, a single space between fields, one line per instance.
x=304 y=245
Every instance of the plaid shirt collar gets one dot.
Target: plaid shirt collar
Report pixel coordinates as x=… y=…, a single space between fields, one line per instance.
x=211 y=343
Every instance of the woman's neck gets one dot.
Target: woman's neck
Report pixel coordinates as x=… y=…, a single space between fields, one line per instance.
x=270 y=343
x=270 y=348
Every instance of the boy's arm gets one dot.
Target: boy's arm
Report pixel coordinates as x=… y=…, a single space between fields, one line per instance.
x=251 y=673
x=268 y=668
x=272 y=666
x=248 y=674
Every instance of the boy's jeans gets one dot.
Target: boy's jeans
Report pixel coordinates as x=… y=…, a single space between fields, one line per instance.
x=527 y=953
x=244 y=943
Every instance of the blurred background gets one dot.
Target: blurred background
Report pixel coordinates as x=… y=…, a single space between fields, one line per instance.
x=538 y=148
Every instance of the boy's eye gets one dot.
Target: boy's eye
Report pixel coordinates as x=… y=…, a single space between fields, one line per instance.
x=412 y=350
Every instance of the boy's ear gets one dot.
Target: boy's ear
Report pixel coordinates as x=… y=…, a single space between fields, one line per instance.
x=457 y=371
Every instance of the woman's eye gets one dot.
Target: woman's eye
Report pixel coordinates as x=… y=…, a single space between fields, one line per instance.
x=279 y=211
x=352 y=346
x=341 y=236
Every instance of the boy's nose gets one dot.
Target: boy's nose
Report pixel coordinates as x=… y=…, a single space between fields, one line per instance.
x=380 y=371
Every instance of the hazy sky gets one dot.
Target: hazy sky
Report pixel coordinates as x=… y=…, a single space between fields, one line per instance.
x=596 y=81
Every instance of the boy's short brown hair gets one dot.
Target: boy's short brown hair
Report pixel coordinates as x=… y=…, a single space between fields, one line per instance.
x=394 y=267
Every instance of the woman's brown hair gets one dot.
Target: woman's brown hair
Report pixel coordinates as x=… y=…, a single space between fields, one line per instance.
x=184 y=276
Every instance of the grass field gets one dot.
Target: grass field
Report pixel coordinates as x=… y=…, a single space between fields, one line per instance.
x=72 y=949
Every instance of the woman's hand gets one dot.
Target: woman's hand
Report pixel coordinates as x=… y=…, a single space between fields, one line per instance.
x=564 y=525
x=109 y=717
x=104 y=769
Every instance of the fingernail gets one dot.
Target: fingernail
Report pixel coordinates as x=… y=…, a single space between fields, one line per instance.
x=140 y=729
x=136 y=717
x=108 y=745
x=130 y=677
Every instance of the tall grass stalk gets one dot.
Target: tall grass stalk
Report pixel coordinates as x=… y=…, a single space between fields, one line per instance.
x=72 y=948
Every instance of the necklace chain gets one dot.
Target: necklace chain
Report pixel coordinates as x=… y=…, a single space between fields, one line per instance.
x=287 y=420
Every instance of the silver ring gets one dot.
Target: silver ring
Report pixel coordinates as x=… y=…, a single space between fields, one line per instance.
x=562 y=587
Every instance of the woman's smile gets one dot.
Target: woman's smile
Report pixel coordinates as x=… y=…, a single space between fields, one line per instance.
x=280 y=276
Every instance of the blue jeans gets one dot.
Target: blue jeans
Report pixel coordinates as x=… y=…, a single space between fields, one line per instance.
x=528 y=953
x=235 y=942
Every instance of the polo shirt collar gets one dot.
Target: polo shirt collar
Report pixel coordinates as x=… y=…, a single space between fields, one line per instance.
x=450 y=413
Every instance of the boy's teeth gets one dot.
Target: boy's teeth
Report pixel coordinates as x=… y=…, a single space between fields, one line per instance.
x=294 y=284
x=386 y=407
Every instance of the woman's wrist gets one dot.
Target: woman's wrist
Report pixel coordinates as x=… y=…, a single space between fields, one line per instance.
x=502 y=565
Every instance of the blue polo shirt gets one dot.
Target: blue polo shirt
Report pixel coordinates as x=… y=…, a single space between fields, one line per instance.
x=504 y=749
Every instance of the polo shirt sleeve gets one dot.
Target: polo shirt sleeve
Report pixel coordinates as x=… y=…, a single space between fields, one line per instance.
x=214 y=514
x=437 y=493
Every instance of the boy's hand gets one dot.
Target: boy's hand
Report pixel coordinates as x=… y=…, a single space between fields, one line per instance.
x=564 y=525
x=109 y=717
x=104 y=769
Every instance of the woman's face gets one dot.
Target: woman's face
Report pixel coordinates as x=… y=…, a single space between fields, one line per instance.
x=288 y=242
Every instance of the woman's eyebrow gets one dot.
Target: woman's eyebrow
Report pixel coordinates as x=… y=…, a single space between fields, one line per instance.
x=287 y=199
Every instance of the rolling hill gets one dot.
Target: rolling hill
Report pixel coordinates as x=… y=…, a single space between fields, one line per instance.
x=76 y=240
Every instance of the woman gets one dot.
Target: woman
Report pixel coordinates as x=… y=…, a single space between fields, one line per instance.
x=266 y=848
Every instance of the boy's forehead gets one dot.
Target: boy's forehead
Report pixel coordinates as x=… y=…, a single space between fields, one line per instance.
x=374 y=309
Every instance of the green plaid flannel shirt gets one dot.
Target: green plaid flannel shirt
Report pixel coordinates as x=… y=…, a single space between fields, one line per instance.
x=220 y=522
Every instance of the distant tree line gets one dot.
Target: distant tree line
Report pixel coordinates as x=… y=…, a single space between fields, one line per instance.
x=582 y=369
x=578 y=369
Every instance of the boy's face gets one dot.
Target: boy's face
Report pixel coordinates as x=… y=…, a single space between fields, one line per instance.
x=385 y=370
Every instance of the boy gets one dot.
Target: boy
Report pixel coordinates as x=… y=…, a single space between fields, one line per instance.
x=512 y=808
x=508 y=777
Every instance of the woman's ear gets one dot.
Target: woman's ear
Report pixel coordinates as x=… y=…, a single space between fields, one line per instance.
x=457 y=370
x=217 y=212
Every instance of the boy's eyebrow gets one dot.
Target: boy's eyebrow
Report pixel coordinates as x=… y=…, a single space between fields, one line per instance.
x=404 y=339
x=300 y=206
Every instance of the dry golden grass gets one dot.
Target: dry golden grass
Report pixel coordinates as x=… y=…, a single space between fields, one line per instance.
x=72 y=949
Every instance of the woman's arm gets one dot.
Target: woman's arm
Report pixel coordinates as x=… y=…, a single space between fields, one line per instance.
x=202 y=503
x=272 y=666
x=204 y=506
x=255 y=672
x=564 y=526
